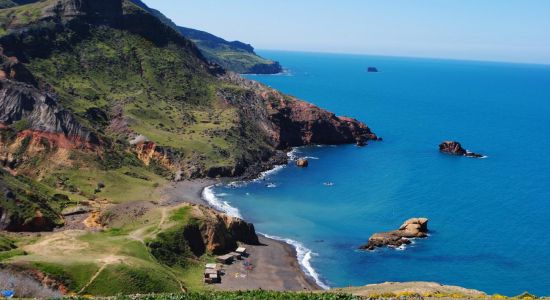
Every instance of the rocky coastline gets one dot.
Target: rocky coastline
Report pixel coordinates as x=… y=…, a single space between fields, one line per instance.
x=278 y=258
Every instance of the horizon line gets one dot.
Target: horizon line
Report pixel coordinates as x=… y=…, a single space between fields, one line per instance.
x=546 y=64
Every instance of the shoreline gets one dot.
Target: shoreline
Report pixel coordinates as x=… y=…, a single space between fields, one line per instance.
x=280 y=259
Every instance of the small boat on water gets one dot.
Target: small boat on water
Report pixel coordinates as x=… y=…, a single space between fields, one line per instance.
x=372 y=70
x=328 y=183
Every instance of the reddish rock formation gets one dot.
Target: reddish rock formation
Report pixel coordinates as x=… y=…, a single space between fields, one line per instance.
x=290 y=122
x=40 y=111
x=412 y=228
x=218 y=233
x=11 y=68
x=149 y=151
x=302 y=163
x=455 y=148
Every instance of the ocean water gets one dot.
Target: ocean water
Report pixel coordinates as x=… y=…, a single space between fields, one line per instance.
x=489 y=218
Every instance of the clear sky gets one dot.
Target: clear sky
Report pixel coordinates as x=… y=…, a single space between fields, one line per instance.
x=501 y=30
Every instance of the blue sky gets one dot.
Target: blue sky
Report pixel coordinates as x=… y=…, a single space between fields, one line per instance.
x=500 y=30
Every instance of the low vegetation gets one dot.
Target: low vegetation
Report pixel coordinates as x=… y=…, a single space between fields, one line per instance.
x=171 y=248
x=22 y=199
x=249 y=295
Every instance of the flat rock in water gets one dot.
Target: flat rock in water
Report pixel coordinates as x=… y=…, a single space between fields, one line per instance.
x=412 y=228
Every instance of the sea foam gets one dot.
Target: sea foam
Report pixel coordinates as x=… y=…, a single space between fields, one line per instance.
x=303 y=254
x=210 y=197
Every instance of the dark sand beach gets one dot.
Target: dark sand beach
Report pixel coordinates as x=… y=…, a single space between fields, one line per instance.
x=275 y=263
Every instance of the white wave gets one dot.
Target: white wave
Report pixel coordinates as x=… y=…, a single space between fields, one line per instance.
x=285 y=72
x=482 y=157
x=271 y=185
x=268 y=173
x=262 y=176
x=209 y=196
x=304 y=256
x=311 y=157
x=293 y=154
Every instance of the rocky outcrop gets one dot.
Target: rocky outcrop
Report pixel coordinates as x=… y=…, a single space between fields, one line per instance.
x=412 y=228
x=11 y=68
x=31 y=283
x=290 y=122
x=302 y=163
x=413 y=290
x=40 y=112
x=220 y=232
x=455 y=148
x=266 y=68
x=148 y=152
x=108 y=12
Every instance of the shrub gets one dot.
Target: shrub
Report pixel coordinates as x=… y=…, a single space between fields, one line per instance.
x=170 y=247
x=21 y=125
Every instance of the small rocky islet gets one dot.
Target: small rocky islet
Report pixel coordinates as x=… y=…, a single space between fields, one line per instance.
x=455 y=148
x=412 y=228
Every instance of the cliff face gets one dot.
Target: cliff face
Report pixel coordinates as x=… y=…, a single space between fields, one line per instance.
x=40 y=112
x=290 y=122
x=11 y=68
x=105 y=12
x=200 y=230
x=220 y=232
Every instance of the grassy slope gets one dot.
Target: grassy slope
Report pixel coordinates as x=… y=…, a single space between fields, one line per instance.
x=231 y=58
x=17 y=16
x=30 y=197
x=165 y=95
x=7 y=4
x=162 y=97
x=117 y=260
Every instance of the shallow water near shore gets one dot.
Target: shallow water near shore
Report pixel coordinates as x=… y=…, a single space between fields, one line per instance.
x=488 y=217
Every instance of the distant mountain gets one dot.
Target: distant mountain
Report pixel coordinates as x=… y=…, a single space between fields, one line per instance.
x=12 y=3
x=234 y=56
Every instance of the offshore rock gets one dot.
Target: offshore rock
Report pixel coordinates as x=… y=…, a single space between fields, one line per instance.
x=412 y=228
x=455 y=148
x=302 y=163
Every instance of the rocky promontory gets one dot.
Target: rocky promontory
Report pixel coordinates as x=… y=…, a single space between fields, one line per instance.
x=412 y=228
x=455 y=148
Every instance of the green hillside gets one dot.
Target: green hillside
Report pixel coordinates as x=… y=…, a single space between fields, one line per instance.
x=234 y=56
x=102 y=105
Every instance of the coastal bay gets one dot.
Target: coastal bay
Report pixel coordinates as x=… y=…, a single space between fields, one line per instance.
x=409 y=103
x=276 y=265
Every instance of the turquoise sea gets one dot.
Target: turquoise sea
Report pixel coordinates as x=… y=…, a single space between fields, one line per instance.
x=489 y=218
